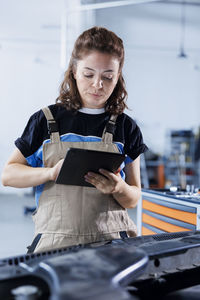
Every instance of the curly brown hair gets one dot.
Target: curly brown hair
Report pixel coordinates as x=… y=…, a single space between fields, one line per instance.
x=94 y=39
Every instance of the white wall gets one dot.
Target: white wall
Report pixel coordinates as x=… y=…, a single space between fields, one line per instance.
x=164 y=90
x=30 y=62
x=28 y=82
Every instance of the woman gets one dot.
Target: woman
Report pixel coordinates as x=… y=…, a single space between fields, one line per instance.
x=88 y=114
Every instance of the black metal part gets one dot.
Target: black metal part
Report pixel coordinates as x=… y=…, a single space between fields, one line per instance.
x=154 y=266
x=52 y=126
x=110 y=127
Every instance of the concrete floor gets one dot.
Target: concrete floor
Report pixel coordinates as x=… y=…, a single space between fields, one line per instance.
x=16 y=228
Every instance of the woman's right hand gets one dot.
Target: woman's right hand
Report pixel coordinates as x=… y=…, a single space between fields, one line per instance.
x=55 y=170
x=17 y=173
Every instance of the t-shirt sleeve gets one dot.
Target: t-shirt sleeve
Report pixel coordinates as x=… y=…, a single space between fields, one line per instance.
x=32 y=137
x=134 y=144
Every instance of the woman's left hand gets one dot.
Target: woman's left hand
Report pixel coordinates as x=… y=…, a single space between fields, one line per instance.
x=126 y=193
x=107 y=183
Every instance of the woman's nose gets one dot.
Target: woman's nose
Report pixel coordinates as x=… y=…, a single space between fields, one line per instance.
x=98 y=83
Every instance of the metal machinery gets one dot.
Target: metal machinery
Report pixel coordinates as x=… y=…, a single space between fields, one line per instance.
x=147 y=267
x=180 y=169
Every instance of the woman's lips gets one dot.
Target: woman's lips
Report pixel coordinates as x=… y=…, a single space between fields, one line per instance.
x=95 y=95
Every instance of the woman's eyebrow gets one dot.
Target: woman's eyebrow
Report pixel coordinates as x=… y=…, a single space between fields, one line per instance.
x=87 y=68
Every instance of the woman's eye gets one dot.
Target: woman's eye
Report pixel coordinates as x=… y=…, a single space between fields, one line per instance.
x=107 y=78
x=88 y=75
x=103 y=77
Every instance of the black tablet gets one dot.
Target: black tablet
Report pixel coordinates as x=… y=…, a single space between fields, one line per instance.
x=78 y=162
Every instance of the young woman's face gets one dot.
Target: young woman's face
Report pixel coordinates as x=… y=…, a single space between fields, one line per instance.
x=96 y=77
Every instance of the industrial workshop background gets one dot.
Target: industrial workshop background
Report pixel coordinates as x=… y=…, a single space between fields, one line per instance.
x=162 y=72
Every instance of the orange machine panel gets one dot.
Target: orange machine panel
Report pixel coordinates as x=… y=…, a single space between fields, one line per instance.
x=162 y=224
x=184 y=216
x=146 y=231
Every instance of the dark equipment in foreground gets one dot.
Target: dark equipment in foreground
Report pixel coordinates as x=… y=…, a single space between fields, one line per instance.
x=163 y=266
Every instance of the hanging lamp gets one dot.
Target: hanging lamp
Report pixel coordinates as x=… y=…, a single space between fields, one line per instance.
x=182 y=53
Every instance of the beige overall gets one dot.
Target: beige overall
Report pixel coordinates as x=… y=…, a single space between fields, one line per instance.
x=70 y=215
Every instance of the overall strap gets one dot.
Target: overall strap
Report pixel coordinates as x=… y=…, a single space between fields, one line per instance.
x=109 y=130
x=51 y=125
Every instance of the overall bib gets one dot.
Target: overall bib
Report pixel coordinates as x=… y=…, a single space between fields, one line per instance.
x=71 y=215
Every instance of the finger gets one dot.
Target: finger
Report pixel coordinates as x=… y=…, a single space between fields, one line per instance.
x=118 y=171
x=56 y=169
x=91 y=178
x=96 y=179
x=60 y=163
x=109 y=175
